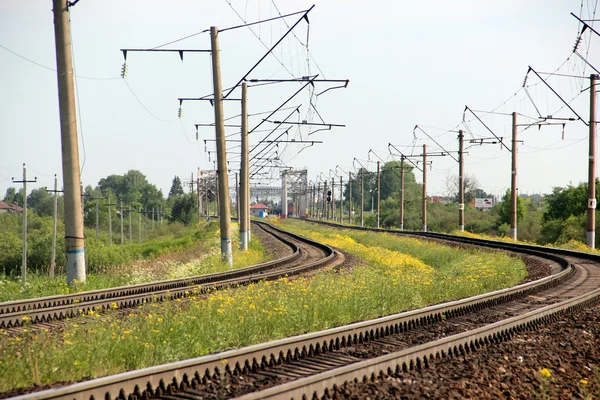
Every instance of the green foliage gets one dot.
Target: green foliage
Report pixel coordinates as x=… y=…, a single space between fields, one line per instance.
x=10 y=251
x=504 y=209
x=176 y=188
x=13 y=197
x=565 y=202
x=185 y=209
x=133 y=189
x=564 y=216
x=159 y=333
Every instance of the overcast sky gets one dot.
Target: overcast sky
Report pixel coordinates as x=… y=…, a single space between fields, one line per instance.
x=408 y=63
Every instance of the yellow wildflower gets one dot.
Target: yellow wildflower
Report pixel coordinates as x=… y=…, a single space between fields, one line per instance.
x=545 y=372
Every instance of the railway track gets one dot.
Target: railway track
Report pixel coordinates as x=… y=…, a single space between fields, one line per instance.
x=49 y=311
x=315 y=364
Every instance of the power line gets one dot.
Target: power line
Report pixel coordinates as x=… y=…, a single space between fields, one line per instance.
x=52 y=69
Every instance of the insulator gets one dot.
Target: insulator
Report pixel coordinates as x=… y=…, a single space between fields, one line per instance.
x=124 y=70
x=577 y=43
x=179 y=112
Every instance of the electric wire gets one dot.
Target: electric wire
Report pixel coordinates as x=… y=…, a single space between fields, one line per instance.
x=78 y=99
x=52 y=69
x=142 y=104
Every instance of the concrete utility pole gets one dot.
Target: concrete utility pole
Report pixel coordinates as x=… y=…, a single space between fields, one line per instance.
x=221 y=149
x=199 y=194
x=591 y=209
x=109 y=205
x=341 y=200
x=245 y=173
x=317 y=203
x=217 y=196
x=53 y=256
x=378 y=191
x=130 y=227
x=513 y=180
x=207 y=199
x=402 y=193
x=362 y=197
x=461 y=181
x=351 y=199
x=121 y=212
x=237 y=196
x=140 y=226
x=325 y=206
x=74 y=239
x=284 y=197
x=97 y=217
x=424 y=188
x=332 y=203
x=24 y=260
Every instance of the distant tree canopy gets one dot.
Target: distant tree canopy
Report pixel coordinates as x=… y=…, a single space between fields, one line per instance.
x=13 y=197
x=185 y=209
x=471 y=187
x=568 y=201
x=505 y=206
x=41 y=201
x=389 y=182
x=176 y=188
x=132 y=189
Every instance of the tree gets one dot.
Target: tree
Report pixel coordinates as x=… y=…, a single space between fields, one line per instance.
x=504 y=209
x=133 y=189
x=185 y=209
x=42 y=202
x=471 y=185
x=13 y=197
x=564 y=213
x=176 y=188
x=564 y=202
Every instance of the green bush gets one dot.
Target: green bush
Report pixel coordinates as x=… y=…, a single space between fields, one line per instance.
x=10 y=252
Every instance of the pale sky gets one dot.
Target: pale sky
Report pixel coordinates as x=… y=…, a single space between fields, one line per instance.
x=408 y=63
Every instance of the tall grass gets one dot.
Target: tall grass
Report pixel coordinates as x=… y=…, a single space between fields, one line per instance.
x=389 y=281
x=146 y=262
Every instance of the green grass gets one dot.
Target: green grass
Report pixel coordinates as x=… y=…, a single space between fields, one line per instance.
x=390 y=282
x=196 y=253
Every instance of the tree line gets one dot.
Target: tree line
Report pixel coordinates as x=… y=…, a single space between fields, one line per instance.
x=557 y=217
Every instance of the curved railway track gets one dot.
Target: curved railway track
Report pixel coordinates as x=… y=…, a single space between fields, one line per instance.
x=47 y=311
x=312 y=365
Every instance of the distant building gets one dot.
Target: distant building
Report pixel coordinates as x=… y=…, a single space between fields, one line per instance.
x=437 y=199
x=6 y=208
x=259 y=210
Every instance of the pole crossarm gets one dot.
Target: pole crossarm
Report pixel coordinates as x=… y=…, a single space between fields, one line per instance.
x=283 y=104
x=303 y=17
x=304 y=78
x=307 y=123
x=405 y=156
x=555 y=92
x=486 y=127
x=180 y=51
x=434 y=141
x=585 y=25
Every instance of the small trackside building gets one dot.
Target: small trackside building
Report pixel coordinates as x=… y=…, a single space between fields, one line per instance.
x=259 y=210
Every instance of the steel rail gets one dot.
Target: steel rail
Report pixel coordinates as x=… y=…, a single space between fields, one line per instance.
x=419 y=356
x=495 y=244
x=68 y=306
x=158 y=380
